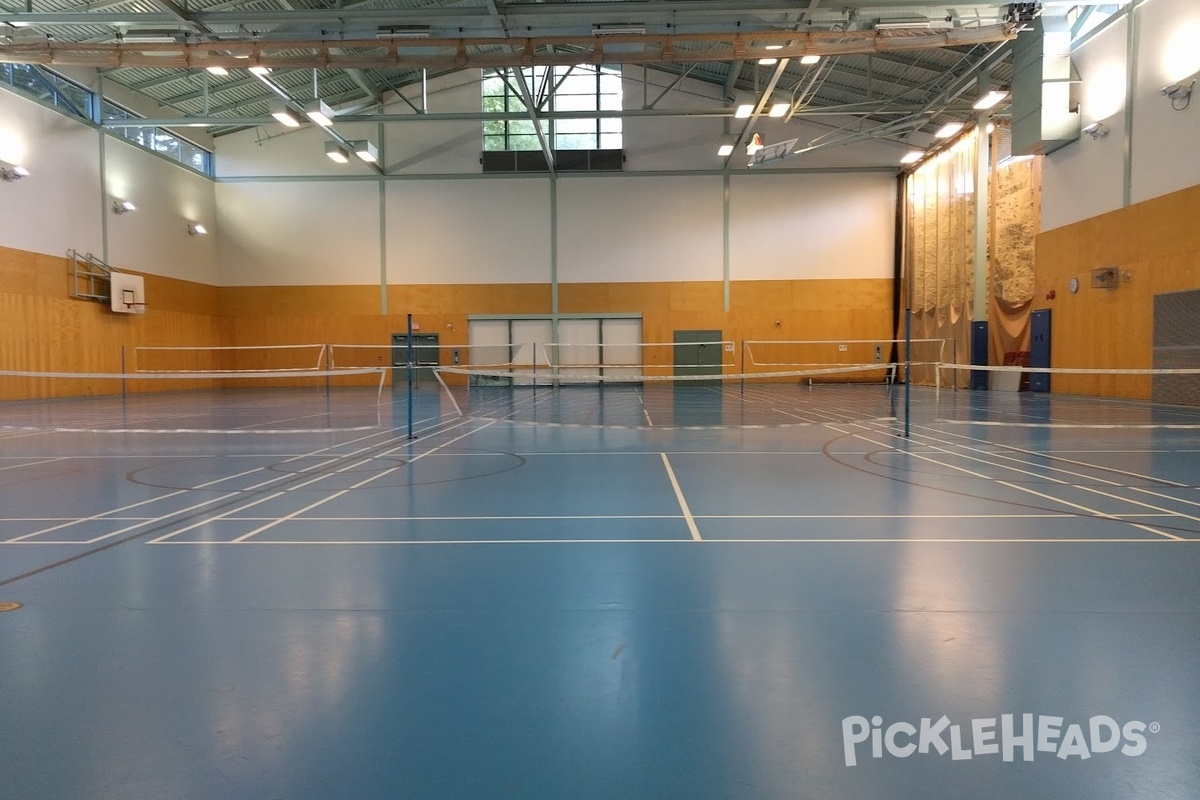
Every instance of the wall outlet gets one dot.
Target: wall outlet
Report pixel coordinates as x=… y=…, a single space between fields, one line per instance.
x=843 y=348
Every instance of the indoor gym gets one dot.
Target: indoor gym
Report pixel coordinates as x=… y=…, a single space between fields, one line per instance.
x=491 y=469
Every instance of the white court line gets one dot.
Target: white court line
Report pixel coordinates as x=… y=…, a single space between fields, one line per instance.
x=687 y=514
x=358 y=485
x=981 y=476
x=107 y=514
x=1046 y=477
x=33 y=463
x=1172 y=512
x=1065 y=515
x=272 y=542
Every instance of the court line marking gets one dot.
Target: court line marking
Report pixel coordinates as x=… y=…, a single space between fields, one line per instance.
x=1013 y=486
x=359 y=485
x=33 y=463
x=1049 y=468
x=687 y=513
x=1062 y=515
x=272 y=542
x=106 y=514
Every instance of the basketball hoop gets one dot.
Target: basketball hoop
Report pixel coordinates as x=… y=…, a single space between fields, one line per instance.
x=135 y=308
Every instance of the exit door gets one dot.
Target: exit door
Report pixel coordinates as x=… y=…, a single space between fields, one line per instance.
x=426 y=355
x=1039 y=350
x=698 y=353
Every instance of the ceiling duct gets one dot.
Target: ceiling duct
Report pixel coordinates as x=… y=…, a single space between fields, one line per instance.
x=1043 y=120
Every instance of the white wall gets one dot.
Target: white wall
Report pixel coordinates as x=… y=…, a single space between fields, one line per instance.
x=60 y=206
x=469 y=231
x=298 y=233
x=812 y=226
x=1086 y=178
x=639 y=229
x=168 y=197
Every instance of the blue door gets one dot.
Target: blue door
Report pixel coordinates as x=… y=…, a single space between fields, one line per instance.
x=1039 y=350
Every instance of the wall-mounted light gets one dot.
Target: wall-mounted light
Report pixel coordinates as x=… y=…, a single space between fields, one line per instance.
x=990 y=99
x=1180 y=94
x=336 y=152
x=319 y=112
x=948 y=130
x=123 y=207
x=196 y=229
x=282 y=112
x=912 y=157
x=365 y=150
x=1097 y=130
x=13 y=172
x=725 y=147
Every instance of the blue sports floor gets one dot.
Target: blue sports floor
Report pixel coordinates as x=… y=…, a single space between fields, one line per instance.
x=499 y=609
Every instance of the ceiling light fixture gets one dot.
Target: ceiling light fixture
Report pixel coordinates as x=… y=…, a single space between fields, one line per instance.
x=780 y=105
x=725 y=147
x=261 y=72
x=948 y=130
x=912 y=157
x=281 y=111
x=625 y=29
x=403 y=32
x=319 y=112
x=809 y=59
x=336 y=152
x=217 y=70
x=990 y=99
x=365 y=150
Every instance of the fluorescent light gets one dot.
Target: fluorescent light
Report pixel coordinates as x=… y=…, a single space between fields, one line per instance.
x=948 y=130
x=123 y=207
x=218 y=70
x=725 y=148
x=990 y=99
x=319 y=112
x=261 y=72
x=780 y=105
x=901 y=24
x=148 y=38
x=365 y=150
x=281 y=112
x=403 y=32
x=810 y=59
x=618 y=30
x=336 y=152
x=912 y=157
x=196 y=229
x=773 y=47
x=743 y=110
x=766 y=62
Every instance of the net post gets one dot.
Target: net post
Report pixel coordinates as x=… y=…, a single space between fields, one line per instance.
x=743 y=367
x=327 y=357
x=409 y=371
x=533 y=357
x=907 y=371
x=123 y=372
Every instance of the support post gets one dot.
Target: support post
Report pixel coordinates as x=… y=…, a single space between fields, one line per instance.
x=979 y=305
x=410 y=378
